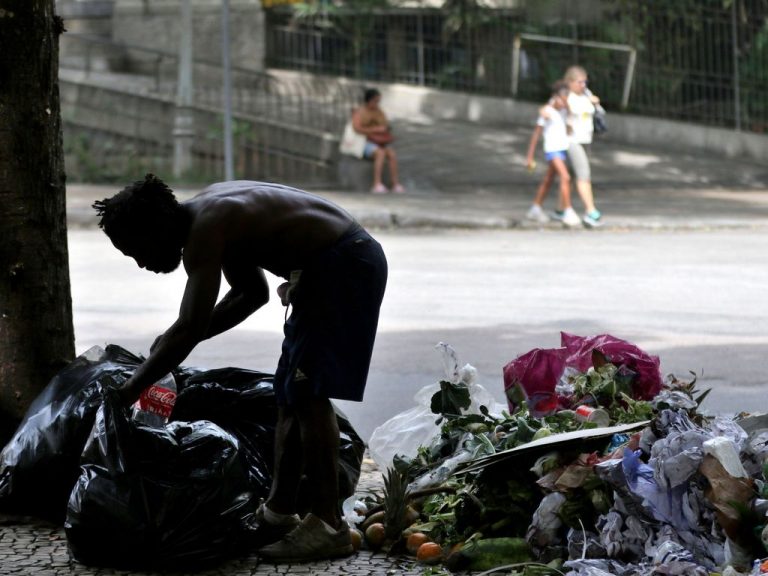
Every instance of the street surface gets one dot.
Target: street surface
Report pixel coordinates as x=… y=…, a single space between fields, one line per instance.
x=694 y=298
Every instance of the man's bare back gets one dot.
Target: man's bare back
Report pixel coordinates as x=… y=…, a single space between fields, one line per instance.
x=269 y=226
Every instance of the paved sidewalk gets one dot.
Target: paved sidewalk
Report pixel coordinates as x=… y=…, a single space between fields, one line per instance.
x=33 y=547
x=472 y=176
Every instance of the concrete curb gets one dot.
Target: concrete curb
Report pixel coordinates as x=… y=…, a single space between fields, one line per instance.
x=383 y=219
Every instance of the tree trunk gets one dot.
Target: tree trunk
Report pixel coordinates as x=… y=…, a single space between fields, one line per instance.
x=36 y=333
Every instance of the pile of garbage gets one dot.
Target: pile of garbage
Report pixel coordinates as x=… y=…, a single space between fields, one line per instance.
x=132 y=495
x=596 y=466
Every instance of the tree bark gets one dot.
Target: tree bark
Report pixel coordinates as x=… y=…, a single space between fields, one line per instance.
x=36 y=332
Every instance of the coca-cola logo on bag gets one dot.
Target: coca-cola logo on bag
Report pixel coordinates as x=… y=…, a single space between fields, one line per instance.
x=157 y=400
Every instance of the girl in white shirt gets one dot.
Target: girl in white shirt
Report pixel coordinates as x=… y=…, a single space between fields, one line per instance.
x=552 y=124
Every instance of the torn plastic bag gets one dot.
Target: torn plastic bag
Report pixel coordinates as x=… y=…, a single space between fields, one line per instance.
x=161 y=497
x=619 y=352
x=243 y=403
x=538 y=372
x=405 y=432
x=40 y=464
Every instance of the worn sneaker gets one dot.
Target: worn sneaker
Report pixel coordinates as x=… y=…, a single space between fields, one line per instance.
x=398 y=189
x=261 y=532
x=592 y=219
x=537 y=214
x=313 y=539
x=570 y=218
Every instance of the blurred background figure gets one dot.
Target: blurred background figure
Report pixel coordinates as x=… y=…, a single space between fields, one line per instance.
x=369 y=120
x=552 y=125
x=582 y=106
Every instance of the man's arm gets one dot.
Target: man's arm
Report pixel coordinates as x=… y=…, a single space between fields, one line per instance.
x=238 y=304
x=204 y=278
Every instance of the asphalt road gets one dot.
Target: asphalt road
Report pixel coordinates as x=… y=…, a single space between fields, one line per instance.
x=695 y=298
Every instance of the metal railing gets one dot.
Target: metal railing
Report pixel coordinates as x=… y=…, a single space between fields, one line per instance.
x=282 y=127
x=704 y=61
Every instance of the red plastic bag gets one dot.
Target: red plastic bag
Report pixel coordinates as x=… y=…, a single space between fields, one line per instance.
x=536 y=373
x=618 y=352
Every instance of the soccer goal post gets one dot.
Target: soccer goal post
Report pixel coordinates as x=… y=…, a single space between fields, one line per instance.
x=628 y=75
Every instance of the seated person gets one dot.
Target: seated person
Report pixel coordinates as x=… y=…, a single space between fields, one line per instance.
x=369 y=120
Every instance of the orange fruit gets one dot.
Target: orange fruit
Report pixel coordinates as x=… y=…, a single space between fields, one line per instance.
x=414 y=541
x=429 y=553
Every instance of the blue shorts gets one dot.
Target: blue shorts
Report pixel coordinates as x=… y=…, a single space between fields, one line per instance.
x=562 y=154
x=370 y=148
x=335 y=312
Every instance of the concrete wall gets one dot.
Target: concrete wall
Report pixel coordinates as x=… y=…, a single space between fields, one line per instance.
x=111 y=132
x=155 y=24
x=405 y=101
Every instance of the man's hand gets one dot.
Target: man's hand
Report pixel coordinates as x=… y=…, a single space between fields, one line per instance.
x=128 y=394
x=284 y=292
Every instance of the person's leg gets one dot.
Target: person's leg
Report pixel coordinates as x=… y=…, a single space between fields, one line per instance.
x=289 y=463
x=543 y=188
x=320 y=443
x=567 y=216
x=557 y=165
x=321 y=533
x=583 y=172
x=379 y=155
x=394 y=173
x=584 y=188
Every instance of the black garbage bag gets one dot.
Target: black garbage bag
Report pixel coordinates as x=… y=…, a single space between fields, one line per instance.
x=40 y=464
x=243 y=403
x=169 y=497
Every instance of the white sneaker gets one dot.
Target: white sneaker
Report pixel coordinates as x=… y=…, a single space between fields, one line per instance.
x=536 y=214
x=570 y=218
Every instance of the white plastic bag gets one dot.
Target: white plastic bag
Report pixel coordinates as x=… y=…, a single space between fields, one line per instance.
x=405 y=432
x=352 y=143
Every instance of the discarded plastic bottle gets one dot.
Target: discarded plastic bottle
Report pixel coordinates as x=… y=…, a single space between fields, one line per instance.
x=154 y=406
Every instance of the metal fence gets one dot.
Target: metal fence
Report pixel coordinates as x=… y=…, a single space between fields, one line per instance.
x=118 y=110
x=696 y=60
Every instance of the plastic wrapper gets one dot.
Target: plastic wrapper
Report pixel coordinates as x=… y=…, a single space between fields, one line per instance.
x=160 y=497
x=546 y=521
x=353 y=511
x=538 y=372
x=405 y=432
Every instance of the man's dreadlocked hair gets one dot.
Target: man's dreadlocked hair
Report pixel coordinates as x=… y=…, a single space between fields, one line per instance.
x=144 y=205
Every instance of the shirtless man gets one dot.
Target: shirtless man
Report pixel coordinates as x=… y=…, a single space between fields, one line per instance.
x=336 y=274
x=370 y=120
